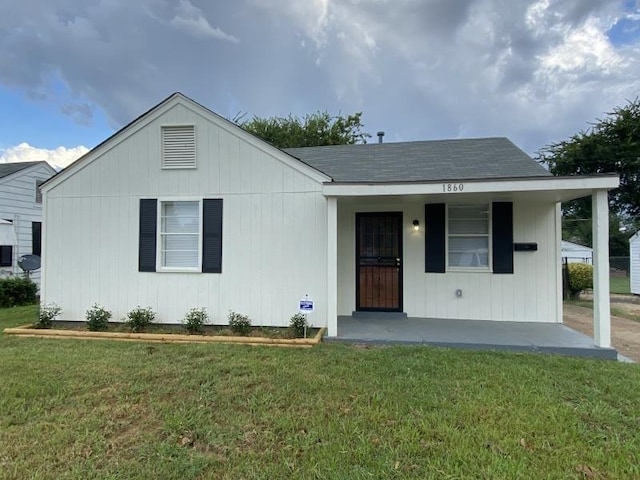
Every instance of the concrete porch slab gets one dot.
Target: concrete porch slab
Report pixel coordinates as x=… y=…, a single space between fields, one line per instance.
x=470 y=334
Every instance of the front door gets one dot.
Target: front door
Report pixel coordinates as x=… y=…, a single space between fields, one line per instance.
x=379 y=261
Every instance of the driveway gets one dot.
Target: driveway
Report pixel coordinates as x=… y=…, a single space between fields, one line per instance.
x=625 y=334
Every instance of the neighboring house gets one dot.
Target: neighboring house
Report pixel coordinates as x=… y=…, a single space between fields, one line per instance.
x=634 y=263
x=21 y=209
x=575 y=253
x=182 y=208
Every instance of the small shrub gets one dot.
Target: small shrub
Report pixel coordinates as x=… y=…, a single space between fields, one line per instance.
x=195 y=320
x=239 y=323
x=46 y=315
x=97 y=318
x=580 y=278
x=17 y=291
x=299 y=324
x=139 y=318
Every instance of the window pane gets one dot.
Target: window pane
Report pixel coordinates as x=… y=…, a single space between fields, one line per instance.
x=468 y=219
x=179 y=259
x=469 y=251
x=180 y=225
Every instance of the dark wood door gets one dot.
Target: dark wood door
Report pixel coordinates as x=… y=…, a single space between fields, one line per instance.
x=379 y=261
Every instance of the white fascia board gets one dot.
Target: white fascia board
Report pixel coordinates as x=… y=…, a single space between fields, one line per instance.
x=540 y=184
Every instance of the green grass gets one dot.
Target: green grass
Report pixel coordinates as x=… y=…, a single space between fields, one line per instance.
x=619 y=285
x=101 y=409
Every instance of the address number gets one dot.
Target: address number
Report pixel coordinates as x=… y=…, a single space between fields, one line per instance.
x=452 y=187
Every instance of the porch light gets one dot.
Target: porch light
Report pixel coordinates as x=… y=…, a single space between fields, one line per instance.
x=416 y=225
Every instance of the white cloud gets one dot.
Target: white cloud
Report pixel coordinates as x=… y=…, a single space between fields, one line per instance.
x=59 y=157
x=191 y=20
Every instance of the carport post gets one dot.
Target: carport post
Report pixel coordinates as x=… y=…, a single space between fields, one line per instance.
x=601 y=301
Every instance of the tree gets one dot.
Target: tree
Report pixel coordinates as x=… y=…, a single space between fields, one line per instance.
x=313 y=130
x=609 y=145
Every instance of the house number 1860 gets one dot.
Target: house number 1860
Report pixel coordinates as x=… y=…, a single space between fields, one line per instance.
x=452 y=187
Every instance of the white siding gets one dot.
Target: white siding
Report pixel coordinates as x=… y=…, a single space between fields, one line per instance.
x=528 y=295
x=18 y=204
x=274 y=224
x=634 y=272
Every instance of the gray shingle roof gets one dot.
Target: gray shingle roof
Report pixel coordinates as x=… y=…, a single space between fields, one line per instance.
x=435 y=160
x=9 y=168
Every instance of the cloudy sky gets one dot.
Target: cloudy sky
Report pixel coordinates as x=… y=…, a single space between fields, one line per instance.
x=72 y=72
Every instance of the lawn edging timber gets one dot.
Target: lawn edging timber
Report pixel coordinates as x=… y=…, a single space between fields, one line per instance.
x=30 y=331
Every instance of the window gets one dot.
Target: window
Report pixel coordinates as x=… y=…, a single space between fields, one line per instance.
x=179 y=146
x=177 y=236
x=468 y=236
x=38 y=191
x=36 y=238
x=180 y=235
x=457 y=237
x=6 y=255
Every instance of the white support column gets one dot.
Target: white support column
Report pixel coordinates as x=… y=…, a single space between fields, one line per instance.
x=332 y=266
x=559 y=266
x=601 y=301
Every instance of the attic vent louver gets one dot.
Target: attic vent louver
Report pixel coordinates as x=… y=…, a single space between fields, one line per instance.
x=179 y=146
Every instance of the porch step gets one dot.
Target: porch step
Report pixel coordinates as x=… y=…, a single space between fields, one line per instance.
x=356 y=314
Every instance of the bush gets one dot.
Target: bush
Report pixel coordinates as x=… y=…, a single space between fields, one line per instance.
x=240 y=324
x=139 y=318
x=17 y=291
x=299 y=324
x=195 y=320
x=46 y=315
x=97 y=318
x=580 y=278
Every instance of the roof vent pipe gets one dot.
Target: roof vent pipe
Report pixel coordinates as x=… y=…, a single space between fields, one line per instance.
x=380 y=135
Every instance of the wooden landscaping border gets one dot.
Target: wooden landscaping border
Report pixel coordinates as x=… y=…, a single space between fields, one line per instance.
x=30 y=331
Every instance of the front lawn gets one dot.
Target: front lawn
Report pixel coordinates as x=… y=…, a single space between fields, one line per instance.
x=86 y=409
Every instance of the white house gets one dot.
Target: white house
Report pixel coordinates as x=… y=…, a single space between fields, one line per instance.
x=182 y=208
x=576 y=253
x=634 y=263
x=21 y=213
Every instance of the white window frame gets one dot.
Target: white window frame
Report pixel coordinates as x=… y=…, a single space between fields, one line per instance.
x=487 y=268
x=163 y=128
x=159 y=233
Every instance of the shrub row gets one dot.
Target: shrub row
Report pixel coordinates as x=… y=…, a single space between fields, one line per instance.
x=17 y=291
x=97 y=319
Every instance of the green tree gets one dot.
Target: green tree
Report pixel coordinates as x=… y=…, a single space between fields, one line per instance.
x=611 y=145
x=313 y=130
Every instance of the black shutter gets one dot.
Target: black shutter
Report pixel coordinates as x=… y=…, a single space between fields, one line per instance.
x=434 y=238
x=36 y=238
x=502 y=230
x=6 y=255
x=147 y=241
x=212 y=235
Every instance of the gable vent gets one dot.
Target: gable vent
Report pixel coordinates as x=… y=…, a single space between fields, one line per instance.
x=179 y=146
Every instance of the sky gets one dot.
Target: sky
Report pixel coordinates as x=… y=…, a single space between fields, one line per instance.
x=536 y=71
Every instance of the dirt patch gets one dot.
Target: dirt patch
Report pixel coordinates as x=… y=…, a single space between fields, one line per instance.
x=625 y=333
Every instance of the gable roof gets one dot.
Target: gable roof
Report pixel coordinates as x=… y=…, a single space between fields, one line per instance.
x=10 y=168
x=148 y=116
x=424 y=161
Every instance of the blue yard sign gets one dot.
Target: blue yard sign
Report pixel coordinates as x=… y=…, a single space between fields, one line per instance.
x=306 y=305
